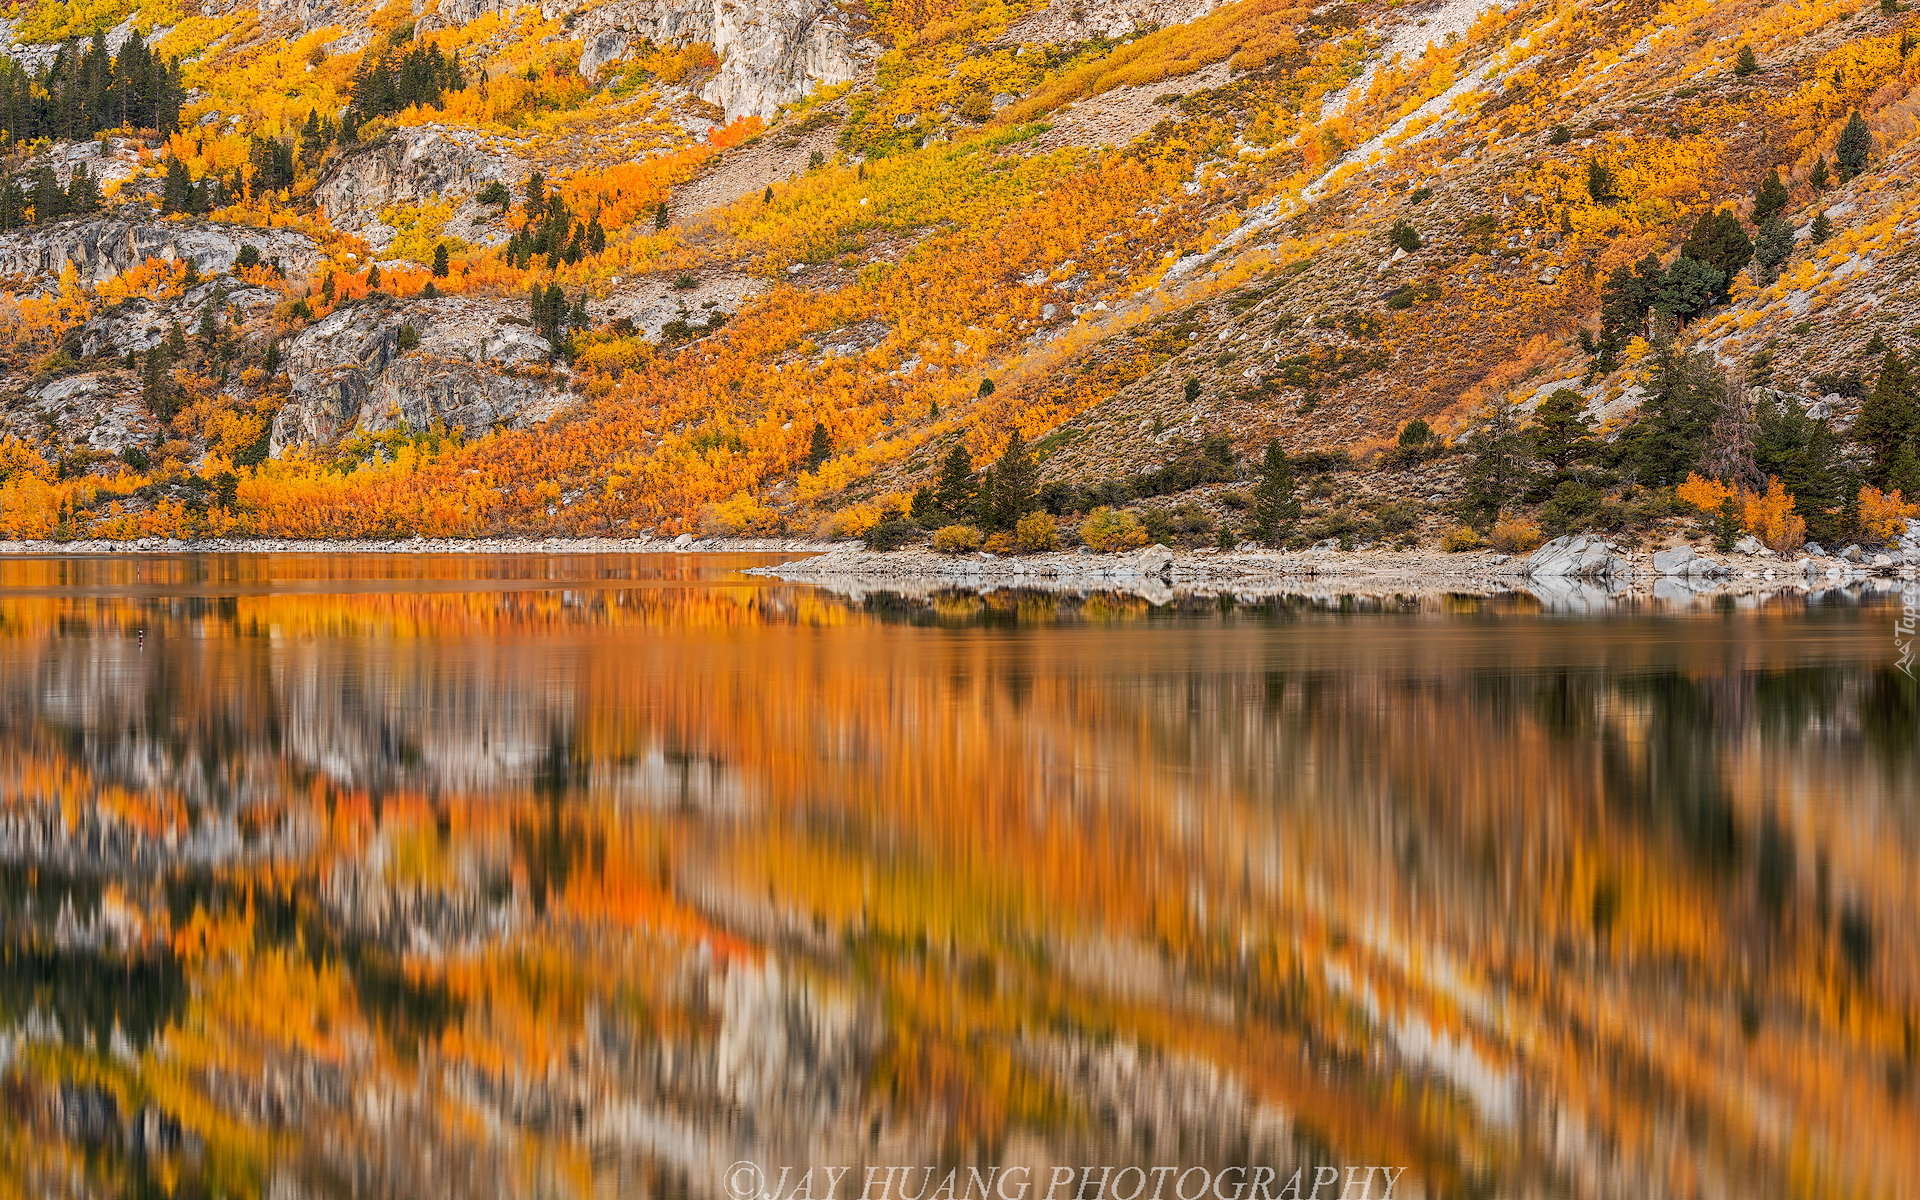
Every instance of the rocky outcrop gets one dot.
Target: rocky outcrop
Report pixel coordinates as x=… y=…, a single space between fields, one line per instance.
x=771 y=51
x=138 y=325
x=1582 y=557
x=410 y=166
x=1683 y=561
x=1077 y=20
x=478 y=364
x=102 y=247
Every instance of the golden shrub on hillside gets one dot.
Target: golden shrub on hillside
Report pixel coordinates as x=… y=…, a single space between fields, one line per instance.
x=956 y=539
x=1111 y=531
x=1035 y=532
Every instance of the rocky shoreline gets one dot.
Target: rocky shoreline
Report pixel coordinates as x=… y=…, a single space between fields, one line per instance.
x=1572 y=572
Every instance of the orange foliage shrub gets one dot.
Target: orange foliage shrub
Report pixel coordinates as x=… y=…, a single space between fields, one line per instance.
x=1704 y=494
x=1771 y=518
x=1884 y=516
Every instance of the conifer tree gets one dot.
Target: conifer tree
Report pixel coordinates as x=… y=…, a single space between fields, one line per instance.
x=1011 y=484
x=1684 y=396
x=1889 y=419
x=819 y=447
x=176 y=191
x=1276 y=506
x=440 y=261
x=1744 y=63
x=1561 y=432
x=1770 y=198
x=1497 y=471
x=1772 y=245
x=1855 y=147
x=955 y=488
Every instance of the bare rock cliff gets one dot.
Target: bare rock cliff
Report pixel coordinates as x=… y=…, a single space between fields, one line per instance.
x=478 y=364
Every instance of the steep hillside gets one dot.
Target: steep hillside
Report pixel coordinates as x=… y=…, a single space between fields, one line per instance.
x=623 y=268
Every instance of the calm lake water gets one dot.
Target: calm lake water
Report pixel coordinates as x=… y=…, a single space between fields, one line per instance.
x=633 y=876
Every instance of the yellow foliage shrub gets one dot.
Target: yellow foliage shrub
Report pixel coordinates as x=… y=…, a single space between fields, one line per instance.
x=1034 y=533
x=1516 y=535
x=956 y=539
x=1110 y=531
x=1463 y=537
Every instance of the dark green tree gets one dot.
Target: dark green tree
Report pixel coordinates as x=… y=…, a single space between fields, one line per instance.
x=83 y=191
x=986 y=389
x=1561 y=432
x=1684 y=396
x=1497 y=464
x=1822 y=229
x=176 y=190
x=49 y=198
x=1818 y=176
x=1276 y=505
x=956 y=488
x=1889 y=418
x=1805 y=454
x=1012 y=484
x=1772 y=246
x=1744 y=63
x=819 y=447
x=1689 y=288
x=440 y=261
x=1719 y=241
x=1600 y=182
x=1855 y=147
x=1770 y=198
x=1403 y=236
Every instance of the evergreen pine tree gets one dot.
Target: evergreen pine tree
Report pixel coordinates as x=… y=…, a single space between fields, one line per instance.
x=1497 y=471
x=1855 y=147
x=83 y=191
x=49 y=198
x=1276 y=506
x=1561 y=432
x=1684 y=396
x=1770 y=198
x=1772 y=245
x=176 y=192
x=1744 y=63
x=1818 y=176
x=1011 y=485
x=660 y=216
x=1719 y=241
x=955 y=488
x=440 y=261
x=1889 y=418
x=1822 y=229
x=819 y=447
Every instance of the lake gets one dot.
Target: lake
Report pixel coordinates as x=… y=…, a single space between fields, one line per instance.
x=364 y=875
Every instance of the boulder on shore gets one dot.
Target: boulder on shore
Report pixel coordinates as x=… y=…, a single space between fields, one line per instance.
x=1576 y=557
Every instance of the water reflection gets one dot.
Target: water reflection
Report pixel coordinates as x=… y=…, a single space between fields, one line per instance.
x=576 y=876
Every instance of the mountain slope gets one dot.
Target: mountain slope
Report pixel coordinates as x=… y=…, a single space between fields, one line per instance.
x=1145 y=223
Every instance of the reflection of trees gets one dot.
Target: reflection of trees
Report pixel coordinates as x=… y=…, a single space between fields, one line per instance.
x=1387 y=884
